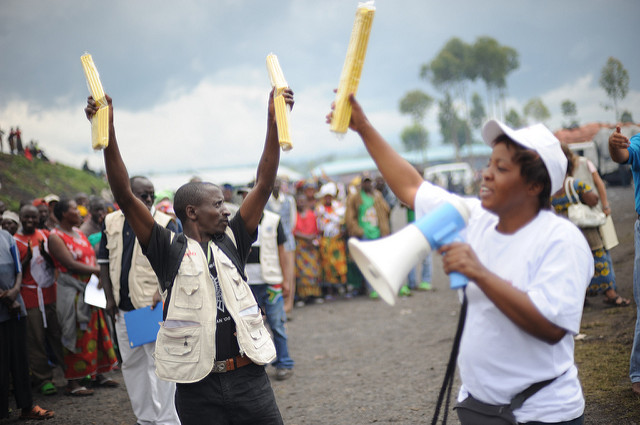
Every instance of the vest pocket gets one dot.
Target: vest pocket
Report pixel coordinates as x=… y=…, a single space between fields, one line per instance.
x=179 y=345
x=188 y=292
x=257 y=330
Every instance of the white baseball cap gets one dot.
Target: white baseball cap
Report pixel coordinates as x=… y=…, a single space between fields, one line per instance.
x=538 y=138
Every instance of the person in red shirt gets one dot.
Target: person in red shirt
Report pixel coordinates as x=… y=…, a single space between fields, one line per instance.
x=39 y=294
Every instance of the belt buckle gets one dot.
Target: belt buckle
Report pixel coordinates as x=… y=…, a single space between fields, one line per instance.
x=220 y=366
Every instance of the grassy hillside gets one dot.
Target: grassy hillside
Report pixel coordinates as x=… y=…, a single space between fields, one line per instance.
x=22 y=179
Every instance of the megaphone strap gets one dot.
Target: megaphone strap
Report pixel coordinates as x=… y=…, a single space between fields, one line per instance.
x=447 y=383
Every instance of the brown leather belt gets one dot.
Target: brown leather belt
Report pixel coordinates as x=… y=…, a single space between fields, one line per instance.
x=221 y=366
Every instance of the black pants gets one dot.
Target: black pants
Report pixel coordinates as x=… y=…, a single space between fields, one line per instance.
x=13 y=362
x=241 y=396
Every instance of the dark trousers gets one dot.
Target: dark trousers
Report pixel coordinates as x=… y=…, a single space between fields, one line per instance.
x=576 y=421
x=241 y=396
x=37 y=339
x=13 y=362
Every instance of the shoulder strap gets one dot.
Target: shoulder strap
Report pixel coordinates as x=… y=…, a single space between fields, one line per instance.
x=176 y=252
x=518 y=400
x=447 y=383
x=570 y=191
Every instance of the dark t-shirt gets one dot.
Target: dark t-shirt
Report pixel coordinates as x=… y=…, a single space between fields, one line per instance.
x=128 y=241
x=158 y=254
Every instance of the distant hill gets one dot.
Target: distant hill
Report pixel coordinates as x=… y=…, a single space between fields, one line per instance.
x=22 y=179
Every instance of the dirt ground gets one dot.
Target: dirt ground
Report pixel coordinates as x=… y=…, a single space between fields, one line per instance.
x=363 y=362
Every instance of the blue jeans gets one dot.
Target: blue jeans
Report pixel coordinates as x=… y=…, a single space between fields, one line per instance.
x=425 y=275
x=634 y=364
x=276 y=318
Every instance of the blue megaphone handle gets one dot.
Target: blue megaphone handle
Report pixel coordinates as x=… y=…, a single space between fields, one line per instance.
x=440 y=227
x=456 y=280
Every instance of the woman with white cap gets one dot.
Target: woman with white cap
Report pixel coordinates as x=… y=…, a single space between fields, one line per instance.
x=333 y=254
x=527 y=268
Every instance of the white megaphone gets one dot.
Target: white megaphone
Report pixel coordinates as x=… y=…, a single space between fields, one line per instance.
x=386 y=262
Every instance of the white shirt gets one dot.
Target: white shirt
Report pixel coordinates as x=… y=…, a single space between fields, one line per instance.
x=548 y=259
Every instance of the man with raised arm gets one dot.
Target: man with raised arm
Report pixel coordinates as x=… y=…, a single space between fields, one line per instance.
x=627 y=151
x=213 y=342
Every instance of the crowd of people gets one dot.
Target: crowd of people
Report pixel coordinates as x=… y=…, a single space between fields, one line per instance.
x=149 y=248
x=15 y=146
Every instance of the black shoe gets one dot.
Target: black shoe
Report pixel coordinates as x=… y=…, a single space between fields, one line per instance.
x=283 y=374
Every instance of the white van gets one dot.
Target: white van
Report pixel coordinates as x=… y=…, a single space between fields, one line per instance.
x=456 y=177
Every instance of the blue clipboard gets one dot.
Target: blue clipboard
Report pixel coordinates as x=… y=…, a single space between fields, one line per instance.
x=143 y=325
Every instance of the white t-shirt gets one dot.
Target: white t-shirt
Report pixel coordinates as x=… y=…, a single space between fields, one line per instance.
x=550 y=260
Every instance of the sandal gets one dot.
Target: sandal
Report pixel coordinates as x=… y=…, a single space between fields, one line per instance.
x=37 y=413
x=617 y=301
x=103 y=381
x=79 y=391
x=48 y=389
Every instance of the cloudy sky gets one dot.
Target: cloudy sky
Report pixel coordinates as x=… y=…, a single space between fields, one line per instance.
x=190 y=86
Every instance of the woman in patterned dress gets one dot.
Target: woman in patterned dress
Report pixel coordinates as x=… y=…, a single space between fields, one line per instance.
x=333 y=256
x=307 y=254
x=604 y=278
x=93 y=353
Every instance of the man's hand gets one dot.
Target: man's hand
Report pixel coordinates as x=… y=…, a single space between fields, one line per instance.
x=157 y=298
x=618 y=140
x=9 y=296
x=92 y=107
x=285 y=288
x=618 y=145
x=111 y=308
x=288 y=98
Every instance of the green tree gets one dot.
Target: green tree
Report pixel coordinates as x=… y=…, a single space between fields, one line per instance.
x=454 y=130
x=537 y=110
x=478 y=113
x=415 y=137
x=493 y=63
x=451 y=71
x=569 y=110
x=614 y=79
x=415 y=104
x=513 y=119
x=626 y=116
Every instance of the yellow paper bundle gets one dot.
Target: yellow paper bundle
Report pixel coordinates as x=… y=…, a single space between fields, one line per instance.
x=282 y=110
x=352 y=69
x=100 y=121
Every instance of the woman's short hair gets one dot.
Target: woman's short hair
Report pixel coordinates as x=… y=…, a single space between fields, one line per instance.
x=61 y=207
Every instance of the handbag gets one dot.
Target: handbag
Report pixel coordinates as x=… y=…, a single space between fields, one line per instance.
x=581 y=214
x=608 y=233
x=41 y=271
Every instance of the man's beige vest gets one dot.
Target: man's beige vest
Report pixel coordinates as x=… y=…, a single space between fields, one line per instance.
x=185 y=348
x=269 y=258
x=143 y=282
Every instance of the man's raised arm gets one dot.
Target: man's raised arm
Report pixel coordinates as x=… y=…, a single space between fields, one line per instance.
x=618 y=144
x=134 y=210
x=253 y=206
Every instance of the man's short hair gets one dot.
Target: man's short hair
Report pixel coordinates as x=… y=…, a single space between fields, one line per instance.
x=192 y=193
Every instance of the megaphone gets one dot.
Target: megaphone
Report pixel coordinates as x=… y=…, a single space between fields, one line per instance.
x=386 y=262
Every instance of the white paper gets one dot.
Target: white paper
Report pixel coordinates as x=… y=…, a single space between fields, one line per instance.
x=251 y=311
x=93 y=295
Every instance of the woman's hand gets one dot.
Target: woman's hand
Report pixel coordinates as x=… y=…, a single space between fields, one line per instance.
x=460 y=257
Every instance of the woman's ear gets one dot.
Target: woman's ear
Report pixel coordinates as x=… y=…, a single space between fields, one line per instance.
x=535 y=188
